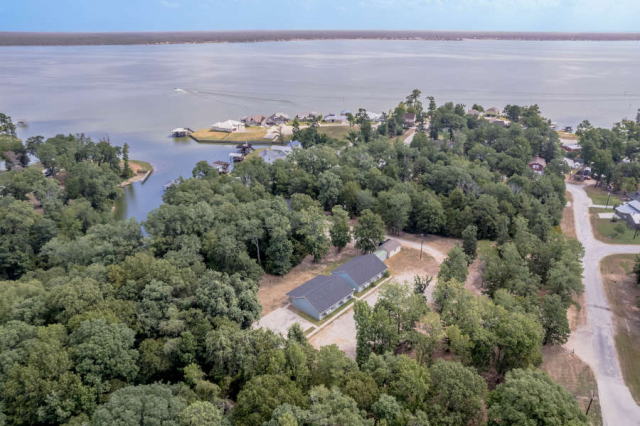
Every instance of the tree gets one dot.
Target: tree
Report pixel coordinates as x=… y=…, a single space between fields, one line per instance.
x=394 y=209
x=261 y=395
x=636 y=269
x=203 y=170
x=532 y=397
x=454 y=266
x=340 y=232
x=554 y=320
x=456 y=396
x=126 y=172
x=104 y=351
x=470 y=242
x=202 y=413
x=420 y=284
x=369 y=231
x=140 y=406
x=313 y=230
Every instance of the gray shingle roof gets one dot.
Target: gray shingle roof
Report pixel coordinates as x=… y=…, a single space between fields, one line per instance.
x=390 y=245
x=362 y=268
x=323 y=291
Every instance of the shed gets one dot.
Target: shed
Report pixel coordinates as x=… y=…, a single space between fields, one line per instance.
x=538 y=164
x=321 y=295
x=180 y=132
x=493 y=111
x=221 y=166
x=361 y=271
x=392 y=247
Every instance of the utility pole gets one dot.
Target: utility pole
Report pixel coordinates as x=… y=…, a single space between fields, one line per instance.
x=608 y=197
x=421 y=237
x=593 y=395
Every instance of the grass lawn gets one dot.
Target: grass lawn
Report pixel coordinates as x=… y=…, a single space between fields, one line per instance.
x=624 y=295
x=484 y=247
x=143 y=166
x=604 y=230
x=599 y=196
x=252 y=134
x=336 y=132
x=571 y=136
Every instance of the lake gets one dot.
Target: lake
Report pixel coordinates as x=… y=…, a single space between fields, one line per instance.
x=127 y=93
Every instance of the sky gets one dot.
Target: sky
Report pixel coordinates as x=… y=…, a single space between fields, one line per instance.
x=211 y=15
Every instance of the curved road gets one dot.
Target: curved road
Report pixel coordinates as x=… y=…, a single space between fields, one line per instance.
x=618 y=406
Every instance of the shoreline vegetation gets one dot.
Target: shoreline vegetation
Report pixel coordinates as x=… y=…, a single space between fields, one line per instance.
x=198 y=37
x=141 y=170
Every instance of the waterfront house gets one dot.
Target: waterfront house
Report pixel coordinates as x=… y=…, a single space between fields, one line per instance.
x=228 y=126
x=629 y=212
x=307 y=116
x=331 y=118
x=538 y=164
x=374 y=116
x=409 y=119
x=180 y=132
x=270 y=155
x=277 y=119
x=493 y=112
x=474 y=112
x=362 y=271
x=255 y=120
x=245 y=148
x=221 y=166
x=321 y=295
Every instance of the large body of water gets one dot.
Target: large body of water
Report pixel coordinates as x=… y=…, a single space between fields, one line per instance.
x=127 y=92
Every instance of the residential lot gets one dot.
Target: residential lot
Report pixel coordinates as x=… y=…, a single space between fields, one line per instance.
x=624 y=296
x=273 y=289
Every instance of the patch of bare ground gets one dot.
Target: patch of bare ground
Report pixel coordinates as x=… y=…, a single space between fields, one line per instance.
x=405 y=265
x=624 y=295
x=474 y=277
x=567 y=369
x=577 y=312
x=273 y=289
x=568 y=224
x=37 y=205
x=441 y=244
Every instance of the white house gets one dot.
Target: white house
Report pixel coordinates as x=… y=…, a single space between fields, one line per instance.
x=228 y=126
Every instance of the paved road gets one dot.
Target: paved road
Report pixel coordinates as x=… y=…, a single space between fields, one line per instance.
x=618 y=406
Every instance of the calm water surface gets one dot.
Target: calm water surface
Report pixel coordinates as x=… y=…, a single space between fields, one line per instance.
x=127 y=92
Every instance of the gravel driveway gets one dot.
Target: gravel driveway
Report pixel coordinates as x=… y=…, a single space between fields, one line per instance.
x=596 y=344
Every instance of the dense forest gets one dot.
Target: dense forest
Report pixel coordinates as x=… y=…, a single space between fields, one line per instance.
x=102 y=325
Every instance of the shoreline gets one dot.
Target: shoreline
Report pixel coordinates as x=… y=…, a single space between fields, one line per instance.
x=218 y=37
x=142 y=171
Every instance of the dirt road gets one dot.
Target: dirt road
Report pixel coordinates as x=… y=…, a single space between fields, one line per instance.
x=595 y=344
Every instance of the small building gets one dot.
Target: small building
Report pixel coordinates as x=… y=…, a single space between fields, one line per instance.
x=570 y=147
x=568 y=129
x=255 y=120
x=374 y=116
x=538 y=164
x=294 y=144
x=629 y=212
x=392 y=247
x=221 y=166
x=500 y=121
x=362 y=271
x=493 y=111
x=236 y=157
x=331 y=118
x=409 y=119
x=634 y=196
x=307 y=116
x=474 y=112
x=228 y=126
x=344 y=112
x=321 y=295
x=180 y=132
x=245 y=148
x=271 y=155
x=277 y=119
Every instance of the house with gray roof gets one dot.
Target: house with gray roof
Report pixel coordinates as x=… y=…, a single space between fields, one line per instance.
x=321 y=295
x=362 y=271
x=629 y=212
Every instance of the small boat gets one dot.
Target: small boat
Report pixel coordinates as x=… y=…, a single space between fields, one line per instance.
x=181 y=132
x=235 y=157
x=22 y=123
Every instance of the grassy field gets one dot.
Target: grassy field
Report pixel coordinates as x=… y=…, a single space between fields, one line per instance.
x=604 y=230
x=569 y=136
x=250 y=135
x=624 y=296
x=336 y=132
x=143 y=166
x=599 y=196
